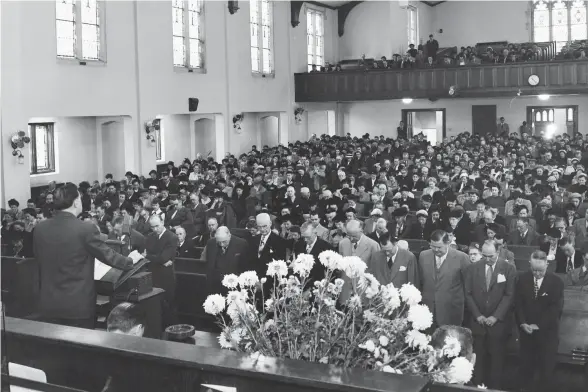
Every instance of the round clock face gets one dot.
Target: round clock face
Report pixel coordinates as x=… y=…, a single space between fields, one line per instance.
x=533 y=80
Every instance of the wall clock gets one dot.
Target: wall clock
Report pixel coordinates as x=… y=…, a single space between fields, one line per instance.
x=533 y=80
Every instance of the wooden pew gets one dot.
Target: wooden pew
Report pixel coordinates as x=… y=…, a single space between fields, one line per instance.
x=241 y=233
x=20 y=285
x=191 y=291
x=522 y=252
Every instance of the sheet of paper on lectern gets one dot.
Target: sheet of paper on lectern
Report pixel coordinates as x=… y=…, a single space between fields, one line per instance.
x=220 y=388
x=100 y=269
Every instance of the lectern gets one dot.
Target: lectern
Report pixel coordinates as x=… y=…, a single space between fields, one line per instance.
x=115 y=286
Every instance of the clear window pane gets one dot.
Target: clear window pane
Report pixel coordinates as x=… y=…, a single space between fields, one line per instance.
x=65 y=10
x=255 y=60
x=90 y=41
x=267 y=68
x=89 y=12
x=65 y=32
x=538 y=116
x=179 y=51
x=195 y=53
x=266 y=37
x=178 y=21
x=254 y=35
x=570 y=114
x=41 y=147
x=551 y=115
x=194 y=25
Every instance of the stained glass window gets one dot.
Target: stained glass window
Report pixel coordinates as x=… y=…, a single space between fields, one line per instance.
x=261 y=25
x=315 y=37
x=188 y=33
x=77 y=28
x=561 y=21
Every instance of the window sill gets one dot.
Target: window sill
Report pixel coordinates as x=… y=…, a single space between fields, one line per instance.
x=189 y=70
x=44 y=174
x=84 y=63
x=263 y=75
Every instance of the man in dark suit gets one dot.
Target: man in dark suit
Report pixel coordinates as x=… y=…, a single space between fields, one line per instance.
x=480 y=230
x=566 y=257
x=185 y=245
x=524 y=234
x=65 y=248
x=265 y=247
x=538 y=305
x=381 y=230
x=401 y=227
x=224 y=254
x=176 y=215
x=314 y=246
x=462 y=228
x=392 y=264
x=489 y=294
x=441 y=274
x=160 y=246
x=131 y=238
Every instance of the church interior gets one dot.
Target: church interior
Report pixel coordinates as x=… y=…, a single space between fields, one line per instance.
x=98 y=93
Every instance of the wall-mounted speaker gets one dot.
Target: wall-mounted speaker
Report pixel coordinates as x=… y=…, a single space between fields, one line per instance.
x=193 y=104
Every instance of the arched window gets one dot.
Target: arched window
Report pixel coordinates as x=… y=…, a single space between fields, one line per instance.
x=550 y=115
x=538 y=116
x=560 y=21
x=545 y=116
x=570 y=114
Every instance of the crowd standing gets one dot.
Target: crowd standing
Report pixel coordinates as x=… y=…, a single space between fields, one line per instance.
x=470 y=198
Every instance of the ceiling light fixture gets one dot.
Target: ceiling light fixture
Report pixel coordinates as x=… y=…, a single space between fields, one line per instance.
x=406 y=101
x=543 y=97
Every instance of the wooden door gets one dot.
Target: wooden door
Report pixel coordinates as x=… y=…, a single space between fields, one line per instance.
x=483 y=119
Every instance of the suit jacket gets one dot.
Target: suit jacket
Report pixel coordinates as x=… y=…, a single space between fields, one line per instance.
x=463 y=232
x=496 y=301
x=562 y=261
x=366 y=247
x=480 y=232
x=403 y=270
x=530 y=239
x=274 y=249
x=545 y=310
x=513 y=225
x=318 y=271
x=65 y=248
x=580 y=231
x=443 y=289
x=198 y=218
x=178 y=217
x=187 y=249
x=322 y=232
x=406 y=230
x=160 y=251
x=233 y=261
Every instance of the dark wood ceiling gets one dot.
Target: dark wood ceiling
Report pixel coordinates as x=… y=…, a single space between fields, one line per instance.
x=432 y=3
x=333 y=4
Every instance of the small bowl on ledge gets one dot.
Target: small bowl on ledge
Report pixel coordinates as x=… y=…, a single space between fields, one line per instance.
x=179 y=332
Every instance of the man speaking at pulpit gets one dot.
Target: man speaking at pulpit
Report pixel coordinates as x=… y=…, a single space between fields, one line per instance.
x=65 y=249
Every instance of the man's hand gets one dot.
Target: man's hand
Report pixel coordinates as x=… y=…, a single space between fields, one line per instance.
x=490 y=321
x=527 y=328
x=481 y=320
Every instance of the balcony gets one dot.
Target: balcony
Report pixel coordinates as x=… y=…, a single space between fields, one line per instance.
x=487 y=80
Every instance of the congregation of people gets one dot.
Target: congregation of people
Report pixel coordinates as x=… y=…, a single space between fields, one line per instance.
x=470 y=198
x=427 y=56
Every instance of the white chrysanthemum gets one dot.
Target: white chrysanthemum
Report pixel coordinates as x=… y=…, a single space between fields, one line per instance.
x=236 y=335
x=369 y=315
x=460 y=371
x=329 y=302
x=339 y=282
x=303 y=264
x=420 y=317
x=277 y=268
x=234 y=312
x=390 y=369
x=248 y=279
x=384 y=341
x=452 y=347
x=354 y=266
x=354 y=302
x=370 y=284
x=230 y=281
x=269 y=305
x=235 y=296
x=214 y=304
x=410 y=294
x=294 y=281
x=330 y=259
x=482 y=386
x=293 y=291
x=223 y=341
x=391 y=297
x=417 y=339
x=369 y=346
x=263 y=280
x=269 y=324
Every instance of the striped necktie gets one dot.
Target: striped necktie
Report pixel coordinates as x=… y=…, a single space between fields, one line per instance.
x=536 y=288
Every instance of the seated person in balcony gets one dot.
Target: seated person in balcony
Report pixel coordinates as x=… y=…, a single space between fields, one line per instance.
x=396 y=61
x=581 y=54
x=412 y=52
x=384 y=63
x=313 y=68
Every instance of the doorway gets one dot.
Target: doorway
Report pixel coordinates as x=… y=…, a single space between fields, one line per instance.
x=269 y=131
x=552 y=121
x=113 y=148
x=483 y=119
x=428 y=122
x=205 y=137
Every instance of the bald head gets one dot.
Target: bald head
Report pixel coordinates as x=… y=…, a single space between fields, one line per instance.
x=222 y=236
x=156 y=224
x=354 y=230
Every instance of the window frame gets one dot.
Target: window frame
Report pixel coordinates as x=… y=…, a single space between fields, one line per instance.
x=78 y=57
x=50 y=126
x=323 y=15
x=410 y=9
x=259 y=23
x=159 y=142
x=549 y=4
x=187 y=67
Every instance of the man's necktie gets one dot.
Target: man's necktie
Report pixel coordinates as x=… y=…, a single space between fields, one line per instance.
x=488 y=277
x=308 y=248
x=570 y=265
x=261 y=246
x=355 y=246
x=438 y=262
x=389 y=261
x=536 y=288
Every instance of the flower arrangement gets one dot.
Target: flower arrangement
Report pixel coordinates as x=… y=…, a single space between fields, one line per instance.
x=380 y=327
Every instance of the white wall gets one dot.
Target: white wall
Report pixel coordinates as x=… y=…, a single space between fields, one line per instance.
x=269 y=130
x=177 y=137
x=466 y=23
x=75 y=149
x=203 y=130
x=382 y=117
x=318 y=122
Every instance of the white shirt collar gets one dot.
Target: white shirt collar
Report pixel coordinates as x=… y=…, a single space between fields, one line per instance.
x=442 y=258
x=539 y=282
x=393 y=258
x=159 y=237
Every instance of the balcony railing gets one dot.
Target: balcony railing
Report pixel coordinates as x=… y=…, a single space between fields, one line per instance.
x=486 y=80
